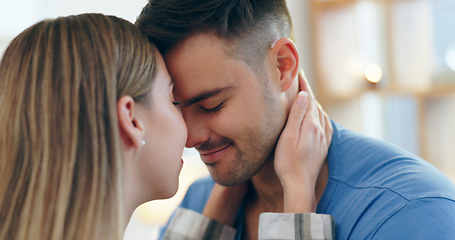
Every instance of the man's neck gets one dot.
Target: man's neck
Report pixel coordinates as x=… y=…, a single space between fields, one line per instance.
x=268 y=192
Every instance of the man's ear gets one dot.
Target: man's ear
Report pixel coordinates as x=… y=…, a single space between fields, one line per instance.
x=286 y=58
x=130 y=127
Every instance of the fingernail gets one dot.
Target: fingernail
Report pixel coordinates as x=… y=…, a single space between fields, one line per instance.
x=302 y=97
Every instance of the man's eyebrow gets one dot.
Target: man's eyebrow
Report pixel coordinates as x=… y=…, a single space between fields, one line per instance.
x=204 y=95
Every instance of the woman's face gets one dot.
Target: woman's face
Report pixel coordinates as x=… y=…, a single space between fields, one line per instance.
x=165 y=137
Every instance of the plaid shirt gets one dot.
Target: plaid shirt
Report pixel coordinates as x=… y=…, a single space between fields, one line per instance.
x=190 y=225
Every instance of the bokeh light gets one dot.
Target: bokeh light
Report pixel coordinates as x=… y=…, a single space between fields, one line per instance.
x=373 y=73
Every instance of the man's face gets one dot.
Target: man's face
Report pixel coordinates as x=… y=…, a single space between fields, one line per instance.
x=233 y=117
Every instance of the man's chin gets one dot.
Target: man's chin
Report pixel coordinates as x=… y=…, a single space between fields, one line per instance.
x=229 y=184
x=229 y=180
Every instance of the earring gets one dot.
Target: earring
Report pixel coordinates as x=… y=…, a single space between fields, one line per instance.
x=143 y=142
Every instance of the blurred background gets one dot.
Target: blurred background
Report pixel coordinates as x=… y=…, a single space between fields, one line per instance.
x=384 y=68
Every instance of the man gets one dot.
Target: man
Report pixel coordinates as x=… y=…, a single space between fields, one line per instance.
x=234 y=66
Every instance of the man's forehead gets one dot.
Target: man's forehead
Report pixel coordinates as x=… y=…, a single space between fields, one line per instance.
x=203 y=95
x=197 y=85
x=196 y=82
x=199 y=44
x=201 y=66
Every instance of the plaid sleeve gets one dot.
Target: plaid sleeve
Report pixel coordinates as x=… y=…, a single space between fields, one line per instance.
x=290 y=226
x=190 y=225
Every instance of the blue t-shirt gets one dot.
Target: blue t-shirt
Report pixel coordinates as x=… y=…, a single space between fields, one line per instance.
x=375 y=190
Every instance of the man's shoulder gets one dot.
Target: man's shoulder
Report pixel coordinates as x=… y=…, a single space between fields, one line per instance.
x=202 y=184
x=363 y=162
x=425 y=218
x=198 y=194
x=351 y=145
x=384 y=187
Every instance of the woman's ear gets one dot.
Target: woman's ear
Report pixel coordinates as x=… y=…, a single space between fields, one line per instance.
x=130 y=127
x=286 y=59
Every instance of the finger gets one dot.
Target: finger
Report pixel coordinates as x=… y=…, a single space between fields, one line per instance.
x=328 y=130
x=296 y=115
x=303 y=84
x=317 y=115
x=321 y=117
x=310 y=118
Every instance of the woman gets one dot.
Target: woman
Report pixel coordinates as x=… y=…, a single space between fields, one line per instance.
x=89 y=131
x=84 y=106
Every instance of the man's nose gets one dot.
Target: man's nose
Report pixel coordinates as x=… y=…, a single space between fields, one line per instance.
x=198 y=133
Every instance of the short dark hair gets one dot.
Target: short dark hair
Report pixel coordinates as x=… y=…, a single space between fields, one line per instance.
x=252 y=26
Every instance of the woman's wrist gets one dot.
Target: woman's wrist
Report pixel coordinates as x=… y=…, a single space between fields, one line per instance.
x=299 y=198
x=297 y=182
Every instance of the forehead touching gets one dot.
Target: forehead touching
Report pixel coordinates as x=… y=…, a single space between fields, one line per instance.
x=201 y=64
x=162 y=74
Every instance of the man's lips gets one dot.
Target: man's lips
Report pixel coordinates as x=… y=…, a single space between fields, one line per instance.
x=213 y=150
x=211 y=156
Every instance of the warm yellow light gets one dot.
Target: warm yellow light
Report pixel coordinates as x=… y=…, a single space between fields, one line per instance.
x=373 y=73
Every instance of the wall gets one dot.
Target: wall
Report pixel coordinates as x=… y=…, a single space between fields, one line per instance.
x=15 y=16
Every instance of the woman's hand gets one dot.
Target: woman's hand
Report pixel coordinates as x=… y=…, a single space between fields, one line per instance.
x=301 y=151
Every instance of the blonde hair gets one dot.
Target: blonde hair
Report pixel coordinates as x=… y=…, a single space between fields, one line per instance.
x=60 y=165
